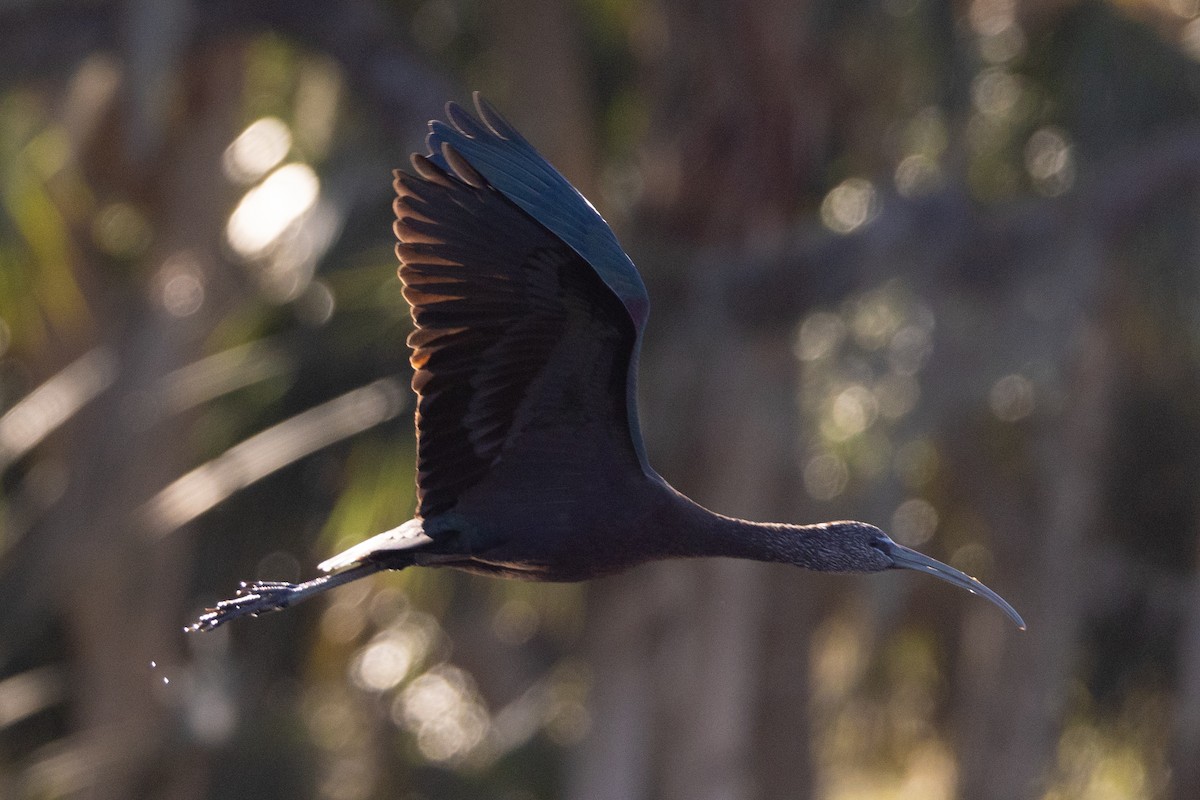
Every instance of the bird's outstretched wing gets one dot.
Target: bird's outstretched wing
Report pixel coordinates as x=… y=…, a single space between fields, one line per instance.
x=498 y=152
x=514 y=329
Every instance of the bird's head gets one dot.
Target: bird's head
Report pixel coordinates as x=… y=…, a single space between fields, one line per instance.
x=871 y=550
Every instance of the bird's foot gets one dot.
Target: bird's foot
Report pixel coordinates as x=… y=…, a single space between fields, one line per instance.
x=252 y=600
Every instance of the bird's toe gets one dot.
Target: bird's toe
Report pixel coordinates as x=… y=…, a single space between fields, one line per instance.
x=251 y=600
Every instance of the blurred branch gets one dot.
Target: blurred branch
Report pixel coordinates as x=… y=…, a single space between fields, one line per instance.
x=80 y=762
x=29 y=693
x=224 y=372
x=1022 y=687
x=47 y=407
x=273 y=449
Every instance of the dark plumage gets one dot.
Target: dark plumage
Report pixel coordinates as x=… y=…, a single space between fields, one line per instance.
x=528 y=319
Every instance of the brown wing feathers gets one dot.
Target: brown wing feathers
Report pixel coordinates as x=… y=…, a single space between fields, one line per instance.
x=482 y=279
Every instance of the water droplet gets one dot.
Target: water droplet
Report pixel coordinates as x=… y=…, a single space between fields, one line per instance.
x=153 y=664
x=166 y=681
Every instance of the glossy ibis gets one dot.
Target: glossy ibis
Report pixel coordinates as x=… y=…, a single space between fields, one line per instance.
x=528 y=319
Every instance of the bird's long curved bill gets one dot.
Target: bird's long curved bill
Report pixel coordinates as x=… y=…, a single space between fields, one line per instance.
x=906 y=558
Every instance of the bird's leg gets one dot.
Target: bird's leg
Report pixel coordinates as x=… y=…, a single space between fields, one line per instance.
x=262 y=597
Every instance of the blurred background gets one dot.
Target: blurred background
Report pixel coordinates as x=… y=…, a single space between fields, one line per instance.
x=930 y=264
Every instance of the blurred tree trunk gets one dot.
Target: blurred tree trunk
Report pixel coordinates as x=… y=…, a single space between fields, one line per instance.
x=701 y=668
x=1013 y=689
x=1044 y=498
x=124 y=601
x=737 y=142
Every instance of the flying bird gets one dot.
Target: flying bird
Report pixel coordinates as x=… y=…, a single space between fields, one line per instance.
x=528 y=318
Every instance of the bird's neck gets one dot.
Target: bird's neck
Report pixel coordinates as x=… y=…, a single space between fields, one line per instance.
x=712 y=534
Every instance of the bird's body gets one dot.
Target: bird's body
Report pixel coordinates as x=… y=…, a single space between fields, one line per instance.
x=528 y=320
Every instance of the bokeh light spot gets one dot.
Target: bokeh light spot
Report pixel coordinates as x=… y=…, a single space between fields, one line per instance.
x=257 y=150
x=917 y=175
x=342 y=622
x=316 y=304
x=875 y=320
x=384 y=662
x=1050 y=162
x=990 y=17
x=825 y=476
x=818 y=336
x=269 y=208
x=850 y=205
x=909 y=349
x=995 y=92
x=180 y=285
x=1011 y=398
x=441 y=707
x=515 y=622
x=897 y=395
x=853 y=410
x=122 y=231
x=927 y=132
x=914 y=522
x=348 y=777
x=332 y=723
x=1003 y=46
x=973 y=559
